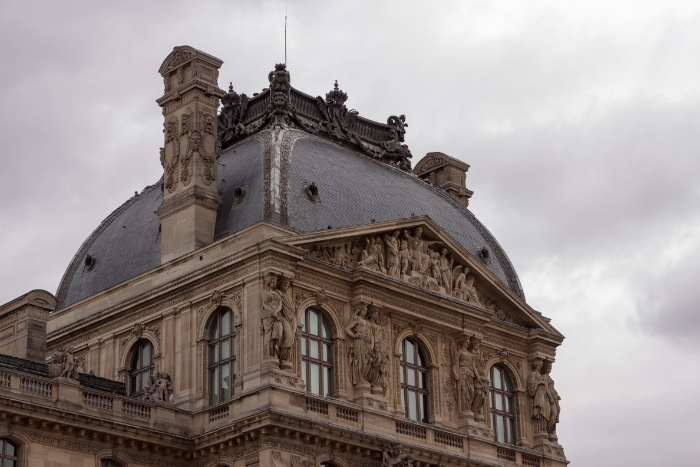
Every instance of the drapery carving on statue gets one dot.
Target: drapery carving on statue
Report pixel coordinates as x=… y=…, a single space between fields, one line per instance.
x=538 y=390
x=553 y=400
x=170 y=154
x=395 y=457
x=63 y=364
x=470 y=382
x=160 y=387
x=279 y=319
x=369 y=352
x=405 y=255
x=188 y=141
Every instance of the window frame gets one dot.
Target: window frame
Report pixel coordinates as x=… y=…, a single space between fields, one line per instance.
x=326 y=368
x=136 y=374
x=509 y=417
x=221 y=362
x=5 y=457
x=422 y=394
x=108 y=463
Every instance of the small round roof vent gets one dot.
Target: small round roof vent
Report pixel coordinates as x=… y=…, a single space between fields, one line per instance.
x=311 y=191
x=484 y=254
x=90 y=262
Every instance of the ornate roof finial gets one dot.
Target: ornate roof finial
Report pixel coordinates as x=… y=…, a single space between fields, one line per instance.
x=336 y=96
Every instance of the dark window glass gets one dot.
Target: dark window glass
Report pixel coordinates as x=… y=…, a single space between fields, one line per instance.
x=222 y=356
x=414 y=381
x=142 y=367
x=502 y=405
x=8 y=453
x=317 y=352
x=109 y=463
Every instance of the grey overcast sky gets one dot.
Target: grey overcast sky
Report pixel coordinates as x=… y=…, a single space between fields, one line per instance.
x=580 y=120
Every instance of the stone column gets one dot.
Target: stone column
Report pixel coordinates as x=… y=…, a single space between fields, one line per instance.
x=435 y=396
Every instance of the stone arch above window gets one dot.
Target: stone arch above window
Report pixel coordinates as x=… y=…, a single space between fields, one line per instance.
x=317 y=353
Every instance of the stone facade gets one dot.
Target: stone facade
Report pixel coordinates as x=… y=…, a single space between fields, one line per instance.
x=375 y=285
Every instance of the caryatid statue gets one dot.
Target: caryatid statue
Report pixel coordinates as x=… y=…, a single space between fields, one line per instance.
x=553 y=398
x=470 y=383
x=279 y=320
x=537 y=388
x=368 y=354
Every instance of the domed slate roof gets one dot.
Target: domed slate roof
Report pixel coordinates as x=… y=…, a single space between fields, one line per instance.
x=353 y=189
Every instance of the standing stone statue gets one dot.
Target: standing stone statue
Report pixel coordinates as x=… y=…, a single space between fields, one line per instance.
x=368 y=354
x=553 y=398
x=279 y=320
x=467 y=377
x=64 y=365
x=537 y=388
x=481 y=382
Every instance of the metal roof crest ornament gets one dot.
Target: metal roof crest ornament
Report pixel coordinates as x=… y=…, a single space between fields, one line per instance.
x=282 y=106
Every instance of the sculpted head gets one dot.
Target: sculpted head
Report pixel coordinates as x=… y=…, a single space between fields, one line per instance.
x=536 y=365
x=70 y=349
x=283 y=283
x=546 y=367
x=418 y=231
x=444 y=252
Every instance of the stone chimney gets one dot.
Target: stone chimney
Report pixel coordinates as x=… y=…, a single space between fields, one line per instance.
x=446 y=173
x=191 y=149
x=23 y=328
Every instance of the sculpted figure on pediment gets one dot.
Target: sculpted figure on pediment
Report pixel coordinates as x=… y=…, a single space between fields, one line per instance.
x=392 y=254
x=279 y=320
x=395 y=457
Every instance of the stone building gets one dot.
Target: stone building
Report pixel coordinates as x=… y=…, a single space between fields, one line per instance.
x=291 y=293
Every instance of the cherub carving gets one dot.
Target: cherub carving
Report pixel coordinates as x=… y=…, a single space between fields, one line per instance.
x=395 y=457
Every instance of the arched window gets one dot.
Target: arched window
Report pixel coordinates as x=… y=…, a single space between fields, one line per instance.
x=8 y=453
x=502 y=405
x=109 y=463
x=222 y=356
x=316 y=352
x=414 y=381
x=142 y=367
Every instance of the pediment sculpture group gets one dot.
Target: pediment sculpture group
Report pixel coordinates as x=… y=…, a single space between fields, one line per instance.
x=407 y=256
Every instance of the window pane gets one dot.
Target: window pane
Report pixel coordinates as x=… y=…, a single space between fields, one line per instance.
x=2 y=446
x=313 y=322
x=9 y=463
x=403 y=399
x=424 y=408
x=226 y=323
x=146 y=356
x=497 y=378
x=214 y=386
x=225 y=349
x=509 y=404
x=233 y=346
x=402 y=381
x=511 y=430
x=234 y=370
x=135 y=361
x=500 y=429
x=314 y=348
x=303 y=322
x=214 y=331
x=213 y=354
x=421 y=358
x=328 y=381
x=499 y=401
x=133 y=385
x=303 y=346
x=413 y=405
x=409 y=352
x=327 y=355
x=411 y=376
x=315 y=379
x=303 y=374
x=326 y=331
x=144 y=380
x=422 y=380
x=506 y=379
x=225 y=383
